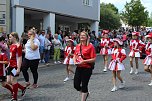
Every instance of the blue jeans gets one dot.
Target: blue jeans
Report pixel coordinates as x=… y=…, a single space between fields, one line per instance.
x=47 y=56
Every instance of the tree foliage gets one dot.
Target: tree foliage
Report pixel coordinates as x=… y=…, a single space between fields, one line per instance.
x=135 y=13
x=109 y=17
x=149 y=22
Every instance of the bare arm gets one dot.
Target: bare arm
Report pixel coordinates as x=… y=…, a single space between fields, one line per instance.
x=33 y=46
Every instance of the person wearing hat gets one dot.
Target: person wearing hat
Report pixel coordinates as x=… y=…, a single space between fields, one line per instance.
x=136 y=46
x=116 y=65
x=68 y=53
x=105 y=48
x=148 y=60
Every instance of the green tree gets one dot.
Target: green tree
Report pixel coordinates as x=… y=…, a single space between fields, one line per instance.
x=135 y=14
x=149 y=22
x=109 y=17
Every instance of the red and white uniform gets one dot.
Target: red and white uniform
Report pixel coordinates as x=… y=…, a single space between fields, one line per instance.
x=118 y=55
x=106 y=45
x=3 y=57
x=148 y=59
x=135 y=47
x=15 y=51
x=68 y=59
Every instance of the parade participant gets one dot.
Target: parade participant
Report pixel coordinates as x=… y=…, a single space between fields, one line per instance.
x=136 y=46
x=68 y=52
x=3 y=61
x=14 y=65
x=116 y=65
x=32 y=57
x=84 y=57
x=106 y=44
x=148 y=59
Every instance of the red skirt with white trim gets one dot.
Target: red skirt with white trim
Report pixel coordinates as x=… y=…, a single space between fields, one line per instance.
x=105 y=51
x=113 y=66
x=148 y=60
x=134 y=54
x=68 y=61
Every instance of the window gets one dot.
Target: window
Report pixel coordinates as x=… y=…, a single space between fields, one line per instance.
x=2 y=21
x=3 y=16
x=87 y=2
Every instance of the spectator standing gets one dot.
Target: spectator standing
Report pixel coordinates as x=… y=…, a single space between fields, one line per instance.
x=47 y=49
x=42 y=46
x=57 y=45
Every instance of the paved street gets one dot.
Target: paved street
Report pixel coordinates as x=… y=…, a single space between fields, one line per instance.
x=52 y=88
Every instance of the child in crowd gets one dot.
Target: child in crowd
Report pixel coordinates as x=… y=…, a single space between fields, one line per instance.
x=105 y=48
x=116 y=65
x=148 y=59
x=69 y=51
x=3 y=62
x=136 y=46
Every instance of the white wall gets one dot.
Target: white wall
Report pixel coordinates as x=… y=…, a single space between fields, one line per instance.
x=49 y=21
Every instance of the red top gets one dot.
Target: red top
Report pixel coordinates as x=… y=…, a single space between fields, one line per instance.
x=88 y=52
x=118 y=53
x=69 y=50
x=136 y=45
x=106 y=41
x=148 y=49
x=15 y=52
x=3 y=57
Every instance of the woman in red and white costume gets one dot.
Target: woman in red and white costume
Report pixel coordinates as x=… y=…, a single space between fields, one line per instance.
x=106 y=45
x=136 y=46
x=14 y=65
x=68 y=52
x=116 y=65
x=148 y=59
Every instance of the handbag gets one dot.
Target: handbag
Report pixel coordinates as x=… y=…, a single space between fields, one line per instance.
x=91 y=64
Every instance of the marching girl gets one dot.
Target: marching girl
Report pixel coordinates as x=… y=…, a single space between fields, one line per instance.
x=3 y=61
x=69 y=51
x=106 y=44
x=14 y=65
x=148 y=59
x=116 y=65
x=136 y=46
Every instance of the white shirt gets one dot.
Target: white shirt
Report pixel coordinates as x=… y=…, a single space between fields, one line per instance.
x=29 y=53
x=42 y=40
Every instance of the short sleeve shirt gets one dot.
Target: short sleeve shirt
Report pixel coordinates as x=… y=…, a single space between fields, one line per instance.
x=15 y=52
x=32 y=54
x=3 y=57
x=88 y=52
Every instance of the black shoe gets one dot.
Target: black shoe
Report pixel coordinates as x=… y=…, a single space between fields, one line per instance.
x=87 y=96
x=23 y=92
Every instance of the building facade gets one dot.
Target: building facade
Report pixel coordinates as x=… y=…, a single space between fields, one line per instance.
x=65 y=14
x=5 y=16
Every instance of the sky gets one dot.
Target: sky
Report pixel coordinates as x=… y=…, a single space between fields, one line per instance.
x=120 y=4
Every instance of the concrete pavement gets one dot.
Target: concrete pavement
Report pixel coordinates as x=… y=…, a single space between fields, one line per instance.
x=52 y=88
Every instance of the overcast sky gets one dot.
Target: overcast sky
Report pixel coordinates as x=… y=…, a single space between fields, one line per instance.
x=120 y=4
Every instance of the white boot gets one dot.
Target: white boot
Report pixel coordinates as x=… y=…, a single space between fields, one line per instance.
x=136 y=71
x=122 y=85
x=114 y=89
x=150 y=83
x=132 y=70
x=105 y=69
x=66 y=79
